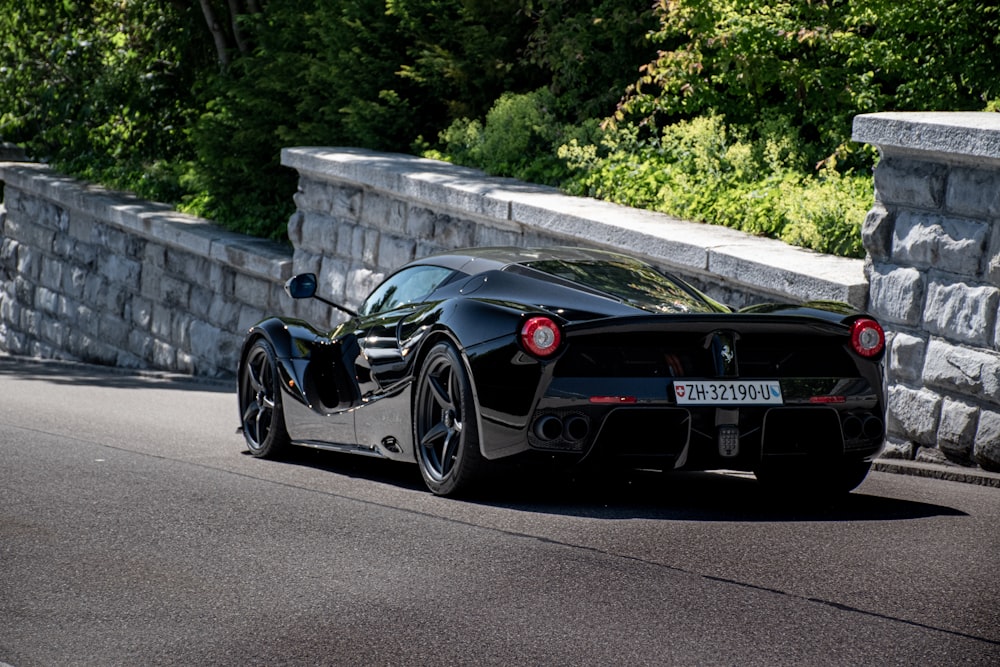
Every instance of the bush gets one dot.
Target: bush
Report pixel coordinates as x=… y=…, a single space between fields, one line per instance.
x=707 y=171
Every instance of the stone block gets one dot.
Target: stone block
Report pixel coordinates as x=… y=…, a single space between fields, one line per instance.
x=420 y=223
x=51 y=273
x=986 y=450
x=913 y=414
x=187 y=266
x=8 y=252
x=53 y=331
x=957 y=430
x=223 y=313
x=904 y=182
x=295 y=223
x=906 y=357
x=345 y=202
x=973 y=192
x=206 y=340
x=155 y=254
x=394 y=251
x=162 y=321
x=956 y=245
x=962 y=371
x=452 y=232
x=490 y=235
x=877 y=231
x=47 y=301
x=370 y=243
x=140 y=344
x=961 y=312
x=185 y=363
x=142 y=313
x=246 y=318
x=33 y=235
x=897 y=294
x=308 y=262
x=200 y=301
x=319 y=233
x=74 y=280
x=113 y=331
x=253 y=291
x=174 y=292
x=383 y=212
x=119 y=269
x=221 y=279
x=164 y=355
x=180 y=330
x=333 y=278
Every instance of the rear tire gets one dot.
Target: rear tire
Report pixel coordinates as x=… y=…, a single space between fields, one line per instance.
x=262 y=419
x=445 y=428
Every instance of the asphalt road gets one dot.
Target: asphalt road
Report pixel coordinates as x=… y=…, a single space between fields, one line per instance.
x=135 y=530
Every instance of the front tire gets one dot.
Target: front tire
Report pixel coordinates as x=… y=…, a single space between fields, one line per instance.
x=445 y=429
x=262 y=419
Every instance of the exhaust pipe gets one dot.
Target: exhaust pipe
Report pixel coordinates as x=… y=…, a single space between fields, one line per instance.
x=576 y=428
x=873 y=428
x=548 y=427
x=852 y=428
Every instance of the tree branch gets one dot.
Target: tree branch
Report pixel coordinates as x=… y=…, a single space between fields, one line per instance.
x=221 y=44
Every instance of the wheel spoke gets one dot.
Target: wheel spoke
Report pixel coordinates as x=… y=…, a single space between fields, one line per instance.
x=434 y=433
x=449 y=451
x=253 y=375
x=442 y=396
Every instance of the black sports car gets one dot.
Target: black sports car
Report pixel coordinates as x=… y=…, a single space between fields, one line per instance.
x=463 y=359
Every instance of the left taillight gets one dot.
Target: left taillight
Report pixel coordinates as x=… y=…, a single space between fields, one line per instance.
x=541 y=336
x=867 y=337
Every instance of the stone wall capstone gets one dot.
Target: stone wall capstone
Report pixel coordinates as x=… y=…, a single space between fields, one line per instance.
x=933 y=242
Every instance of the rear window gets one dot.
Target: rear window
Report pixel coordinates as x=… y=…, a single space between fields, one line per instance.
x=633 y=282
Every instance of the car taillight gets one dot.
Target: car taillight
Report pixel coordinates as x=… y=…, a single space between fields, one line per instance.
x=867 y=337
x=541 y=336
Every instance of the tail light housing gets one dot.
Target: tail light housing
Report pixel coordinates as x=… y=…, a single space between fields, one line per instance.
x=541 y=336
x=867 y=337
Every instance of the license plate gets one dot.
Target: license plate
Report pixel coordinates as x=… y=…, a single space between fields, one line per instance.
x=734 y=392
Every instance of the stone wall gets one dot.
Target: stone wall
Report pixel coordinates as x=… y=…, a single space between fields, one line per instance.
x=934 y=265
x=92 y=275
x=361 y=214
x=96 y=276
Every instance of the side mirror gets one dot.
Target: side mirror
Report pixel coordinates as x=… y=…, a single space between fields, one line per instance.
x=302 y=286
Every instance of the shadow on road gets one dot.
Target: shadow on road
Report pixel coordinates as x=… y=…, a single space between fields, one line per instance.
x=675 y=496
x=75 y=374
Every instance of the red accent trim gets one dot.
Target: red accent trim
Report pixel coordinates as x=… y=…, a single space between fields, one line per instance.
x=613 y=399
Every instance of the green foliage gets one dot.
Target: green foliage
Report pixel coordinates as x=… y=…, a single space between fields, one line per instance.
x=520 y=139
x=738 y=113
x=705 y=170
x=588 y=49
x=101 y=88
x=817 y=64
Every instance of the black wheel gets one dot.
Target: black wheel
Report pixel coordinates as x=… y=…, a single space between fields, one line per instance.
x=445 y=432
x=813 y=478
x=261 y=416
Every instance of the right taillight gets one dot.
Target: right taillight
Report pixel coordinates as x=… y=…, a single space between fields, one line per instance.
x=867 y=337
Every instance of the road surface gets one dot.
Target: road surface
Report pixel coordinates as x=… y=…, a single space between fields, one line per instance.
x=135 y=530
